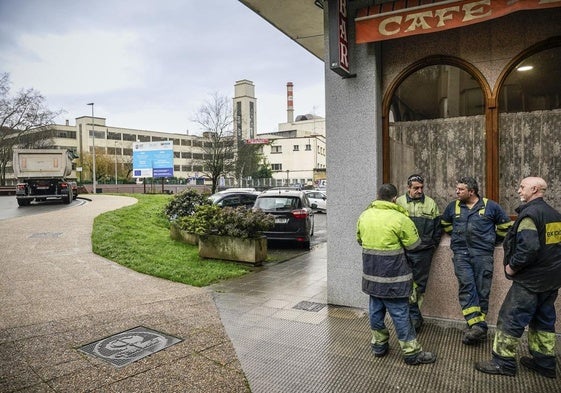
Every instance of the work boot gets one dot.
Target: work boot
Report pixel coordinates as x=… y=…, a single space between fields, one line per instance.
x=420 y=358
x=380 y=350
x=474 y=335
x=530 y=363
x=490 y=367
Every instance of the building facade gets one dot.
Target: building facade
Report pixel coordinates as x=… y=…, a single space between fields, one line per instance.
x=442 y=88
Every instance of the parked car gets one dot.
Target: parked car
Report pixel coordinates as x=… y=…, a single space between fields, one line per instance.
x=293 y=212
x=319 y=198
x=234 y=198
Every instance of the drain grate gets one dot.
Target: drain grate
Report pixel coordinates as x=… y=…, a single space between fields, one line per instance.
x=309 y=306
x=129 y=346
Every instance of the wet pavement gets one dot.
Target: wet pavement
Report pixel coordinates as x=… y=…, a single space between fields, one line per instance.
x=285 y=348
x=269 y=331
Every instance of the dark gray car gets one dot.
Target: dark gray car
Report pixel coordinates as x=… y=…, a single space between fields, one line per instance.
x=294 y=215
x=234 y=198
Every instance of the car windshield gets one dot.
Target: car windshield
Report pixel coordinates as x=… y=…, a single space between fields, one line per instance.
x=277 y=203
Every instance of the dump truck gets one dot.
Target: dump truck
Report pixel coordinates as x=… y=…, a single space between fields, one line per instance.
x=44 y=174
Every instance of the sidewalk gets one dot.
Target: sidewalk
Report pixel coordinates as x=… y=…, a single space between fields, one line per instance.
x=58 y=296
x=326 y=348
x=269 y=331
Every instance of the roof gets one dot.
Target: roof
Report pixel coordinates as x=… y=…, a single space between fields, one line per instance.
x=301 y=20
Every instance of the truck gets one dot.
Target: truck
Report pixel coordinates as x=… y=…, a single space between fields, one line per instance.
x=44 y=174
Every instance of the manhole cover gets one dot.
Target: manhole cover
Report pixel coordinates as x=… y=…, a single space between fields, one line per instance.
x=309 y=306
x=129 y=346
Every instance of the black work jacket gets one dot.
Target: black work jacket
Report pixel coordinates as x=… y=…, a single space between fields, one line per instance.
x=535 y=257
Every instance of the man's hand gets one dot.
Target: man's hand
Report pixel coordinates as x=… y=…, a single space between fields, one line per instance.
x=509 y=270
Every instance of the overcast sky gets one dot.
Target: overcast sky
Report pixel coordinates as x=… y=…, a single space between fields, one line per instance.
x=151 y=64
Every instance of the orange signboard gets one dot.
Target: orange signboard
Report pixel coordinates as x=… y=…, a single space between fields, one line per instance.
x=400 y=19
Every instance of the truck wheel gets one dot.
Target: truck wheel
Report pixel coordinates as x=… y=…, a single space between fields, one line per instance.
x=24 y=202
x=68 y=198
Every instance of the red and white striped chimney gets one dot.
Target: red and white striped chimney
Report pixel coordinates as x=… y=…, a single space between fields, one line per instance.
x=289 y=103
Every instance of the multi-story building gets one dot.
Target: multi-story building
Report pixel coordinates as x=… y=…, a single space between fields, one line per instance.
x=296 y=152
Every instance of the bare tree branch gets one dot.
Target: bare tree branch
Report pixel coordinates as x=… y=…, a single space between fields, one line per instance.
x=23 y=121
x=215 y=116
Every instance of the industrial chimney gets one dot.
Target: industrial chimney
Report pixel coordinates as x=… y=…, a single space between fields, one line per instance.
x=289 y=103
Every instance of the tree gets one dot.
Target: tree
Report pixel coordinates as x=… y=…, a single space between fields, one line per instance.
x=24 y=122
x=247 y=160
x=104 y=164
x=215 y=117
x=263 y=172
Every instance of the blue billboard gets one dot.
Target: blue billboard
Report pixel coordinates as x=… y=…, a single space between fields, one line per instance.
x=152 y=159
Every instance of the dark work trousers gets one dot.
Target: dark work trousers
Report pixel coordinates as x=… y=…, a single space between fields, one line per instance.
x=474 y=274
x=522 y=308
x=420 y=265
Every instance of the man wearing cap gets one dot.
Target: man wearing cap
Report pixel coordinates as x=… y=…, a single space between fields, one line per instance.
x=424 y=212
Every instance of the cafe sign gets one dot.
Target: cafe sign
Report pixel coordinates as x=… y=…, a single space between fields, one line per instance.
x=389 y=20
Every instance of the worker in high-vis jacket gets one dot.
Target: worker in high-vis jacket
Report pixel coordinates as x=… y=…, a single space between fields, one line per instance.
x=532 y=260
x=384 y=231
x=475 y=225
x=424 y=212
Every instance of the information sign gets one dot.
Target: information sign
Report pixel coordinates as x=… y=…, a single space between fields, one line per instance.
x=152 y=159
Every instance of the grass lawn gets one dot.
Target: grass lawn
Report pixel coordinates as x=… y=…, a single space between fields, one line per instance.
x=138 y=237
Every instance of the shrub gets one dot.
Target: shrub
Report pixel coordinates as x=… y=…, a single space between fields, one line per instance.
x=184 y=203
x=237 y=222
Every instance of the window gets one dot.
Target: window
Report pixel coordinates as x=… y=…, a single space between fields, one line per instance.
x=66 y=134
x=436 y=127
x=296 y=148
x=276 y=167
x=114 y=136
x=98 y=134
x=276 y=149
x=308 y=147
x=529 y=108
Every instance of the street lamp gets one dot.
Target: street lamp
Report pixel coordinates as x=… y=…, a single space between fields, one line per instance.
x=93 y=134
x=115 y=162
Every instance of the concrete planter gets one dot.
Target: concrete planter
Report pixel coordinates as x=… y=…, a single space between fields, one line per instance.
x=253 y=250
x=183 y=236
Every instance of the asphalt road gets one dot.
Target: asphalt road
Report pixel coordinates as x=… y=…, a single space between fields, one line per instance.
x=9 y=207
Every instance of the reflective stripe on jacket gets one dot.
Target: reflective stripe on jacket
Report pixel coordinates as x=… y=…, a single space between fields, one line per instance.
x=426 y=216
x=384 y=230
x=476 y=230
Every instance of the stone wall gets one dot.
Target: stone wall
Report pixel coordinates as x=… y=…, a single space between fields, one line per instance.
x=441 y=300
